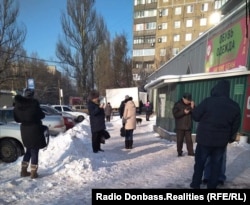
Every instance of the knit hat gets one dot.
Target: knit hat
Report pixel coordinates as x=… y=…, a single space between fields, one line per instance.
x=29 y=93
x=187 y=96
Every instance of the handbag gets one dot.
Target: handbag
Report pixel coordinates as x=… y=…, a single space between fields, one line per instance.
x=122 y=131
x=106 y=134
x=45 y=136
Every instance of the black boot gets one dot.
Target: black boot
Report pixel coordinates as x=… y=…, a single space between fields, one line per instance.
x=130 y=145
x=126 y=144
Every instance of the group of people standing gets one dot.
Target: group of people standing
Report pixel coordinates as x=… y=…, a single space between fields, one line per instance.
x=219 y=119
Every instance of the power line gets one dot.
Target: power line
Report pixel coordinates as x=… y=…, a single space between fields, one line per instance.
x=32 y=58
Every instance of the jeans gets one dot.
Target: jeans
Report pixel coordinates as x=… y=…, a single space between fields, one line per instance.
x=207 y=170
x=129 y=134
x=31 y=154
x=202 y=153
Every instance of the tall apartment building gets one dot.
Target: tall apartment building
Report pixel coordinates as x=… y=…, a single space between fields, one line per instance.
x=162 y=28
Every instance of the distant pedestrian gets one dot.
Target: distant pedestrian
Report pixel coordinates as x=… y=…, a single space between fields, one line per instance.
x=148 y=109
x=129 y=120
x=219 y=119
x=140 y=106
x=27 y=111
x=97 y=120
x=183 y=123
x=108 y=112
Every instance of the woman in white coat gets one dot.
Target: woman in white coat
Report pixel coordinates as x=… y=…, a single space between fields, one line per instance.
x=129 y=119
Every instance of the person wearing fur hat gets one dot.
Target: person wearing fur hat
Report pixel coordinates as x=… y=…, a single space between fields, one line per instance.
x=97 y=120
x=182 y=111
x=27 y=111
x=129 y=120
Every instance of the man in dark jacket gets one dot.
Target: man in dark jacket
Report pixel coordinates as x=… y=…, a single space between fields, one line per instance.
x=219 y=119
x=97 y=120
x=27 y=111
x=183 y=123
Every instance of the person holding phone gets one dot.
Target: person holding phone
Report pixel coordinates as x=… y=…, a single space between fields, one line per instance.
x=27 y=111
x=183 y=123
x=97 y=120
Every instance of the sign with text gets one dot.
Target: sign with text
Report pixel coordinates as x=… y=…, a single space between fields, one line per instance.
x=227 y=50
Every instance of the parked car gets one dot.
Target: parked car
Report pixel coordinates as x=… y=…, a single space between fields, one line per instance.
x=55 y=123
x=11 y=145
x=79 y=116
x=68 y=118
x=80 y=108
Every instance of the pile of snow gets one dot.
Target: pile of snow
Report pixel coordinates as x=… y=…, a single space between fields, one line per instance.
x=69 y=170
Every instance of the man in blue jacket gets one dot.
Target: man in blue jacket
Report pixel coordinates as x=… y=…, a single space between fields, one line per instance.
x=219 y=119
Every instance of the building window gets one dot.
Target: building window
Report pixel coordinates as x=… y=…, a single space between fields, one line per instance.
x=150 y=1
x=144 y=52
x=138 y=40
x=164 y=39
x=175 y=51
x=219 y=3
x=189 y=23
x=164 y=25
x=188 y=37
x=139 y=2
x=163 y=52
x=139 y=27
x=204 y=7
x=203 y=22
x=150 y=25
x=139 y=14
x=150 y=39
x=164 y=12
x=150 y=13
x=136 y=77
x=177 y=37
x=177 y=11
x=138 y=65
x=177 y=24
x=190 y=9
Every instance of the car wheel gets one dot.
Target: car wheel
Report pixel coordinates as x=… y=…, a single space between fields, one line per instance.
x=8 y=151
x=80 y=118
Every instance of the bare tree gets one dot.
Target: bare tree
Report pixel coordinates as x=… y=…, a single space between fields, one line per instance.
x=104 y=72
x=83 y=32
x=122 y=64
x=11 y=39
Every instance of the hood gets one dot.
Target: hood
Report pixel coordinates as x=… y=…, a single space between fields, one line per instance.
x=22 y=102
x=222 y=88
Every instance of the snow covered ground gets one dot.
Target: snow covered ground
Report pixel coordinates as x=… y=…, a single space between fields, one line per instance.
x=69 y=170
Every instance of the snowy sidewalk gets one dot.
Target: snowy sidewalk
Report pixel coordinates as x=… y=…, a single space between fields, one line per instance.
x=69 y=170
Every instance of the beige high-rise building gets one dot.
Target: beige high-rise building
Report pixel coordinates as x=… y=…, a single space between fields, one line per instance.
x=162 y=28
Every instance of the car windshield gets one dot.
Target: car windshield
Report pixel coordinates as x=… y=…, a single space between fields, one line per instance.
x=49 y=110
x=67 y=109
x=6 y=115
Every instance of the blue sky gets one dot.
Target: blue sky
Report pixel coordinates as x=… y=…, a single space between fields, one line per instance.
x=42 y=20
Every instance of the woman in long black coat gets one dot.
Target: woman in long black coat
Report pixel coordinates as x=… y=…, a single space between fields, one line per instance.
x=27 y=111
x=97 y=120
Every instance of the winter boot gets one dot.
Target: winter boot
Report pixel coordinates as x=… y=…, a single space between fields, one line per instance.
x=34 y=174
x=126 y=144
x=24 y=172
x=130 y=145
